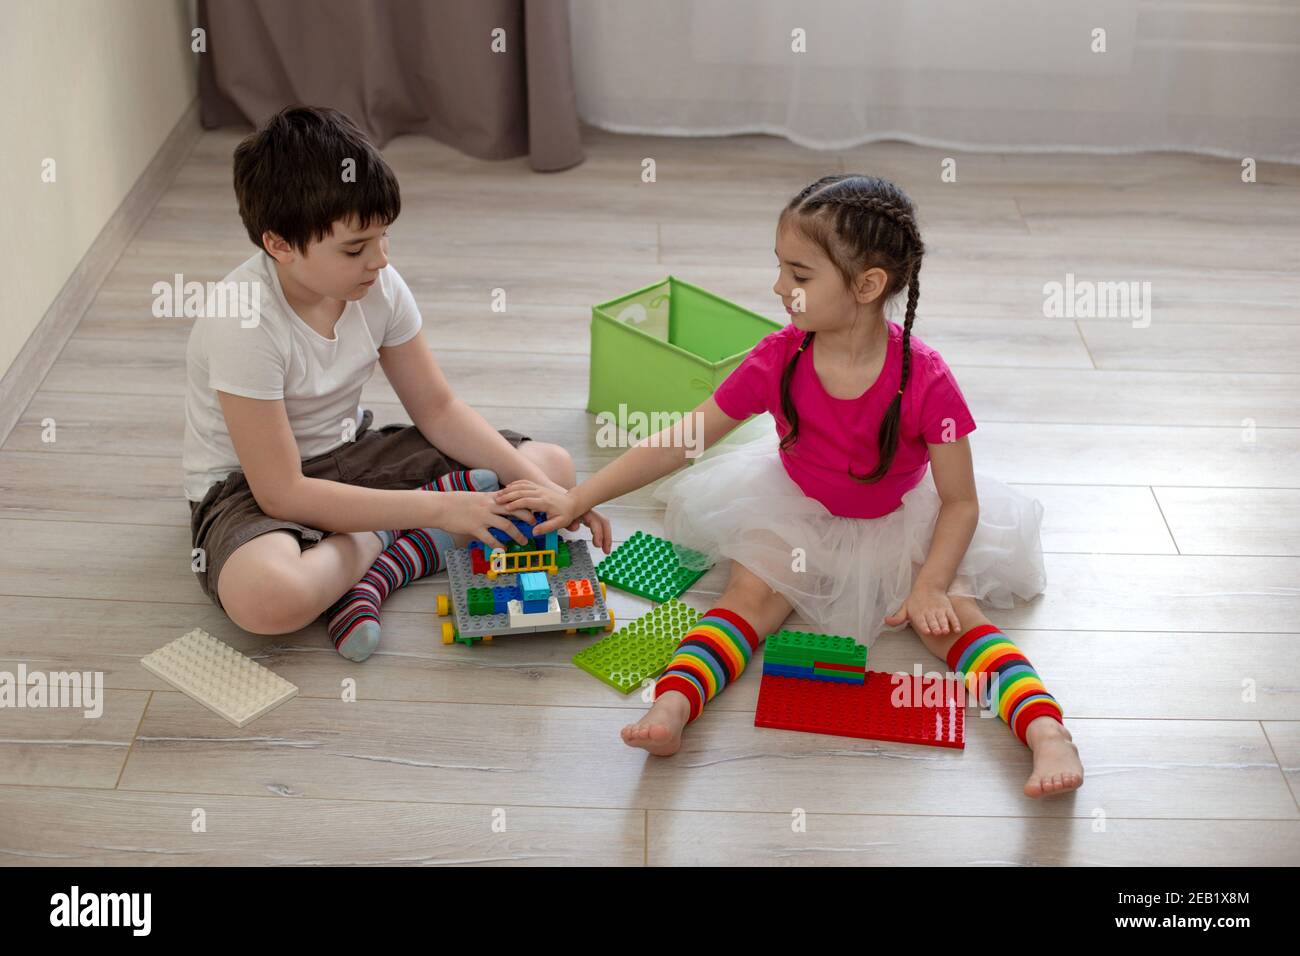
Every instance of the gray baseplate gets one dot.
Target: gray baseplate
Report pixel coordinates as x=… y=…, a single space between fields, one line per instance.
x=460 y=578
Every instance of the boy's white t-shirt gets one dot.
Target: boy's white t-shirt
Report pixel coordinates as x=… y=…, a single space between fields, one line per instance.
x=282 y=357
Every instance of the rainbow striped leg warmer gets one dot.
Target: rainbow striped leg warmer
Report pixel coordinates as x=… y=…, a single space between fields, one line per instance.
x=1021 y=696
x=711 y=655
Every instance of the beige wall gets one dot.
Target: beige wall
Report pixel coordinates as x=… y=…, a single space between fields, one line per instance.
x=95 y=85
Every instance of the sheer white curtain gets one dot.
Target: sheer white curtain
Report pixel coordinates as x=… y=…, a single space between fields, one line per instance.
x=1010 y=75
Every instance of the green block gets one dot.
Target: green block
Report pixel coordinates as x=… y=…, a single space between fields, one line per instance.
x=788 y=661
x=859 y=677
x=639 y=650
x=801 y=646
x=787 y=654
x=562 y=554
x=648 y=567
x=478 y=601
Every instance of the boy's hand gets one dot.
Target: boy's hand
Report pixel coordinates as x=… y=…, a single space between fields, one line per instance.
x=929 y=610
x=474 y=512
x=560 y=507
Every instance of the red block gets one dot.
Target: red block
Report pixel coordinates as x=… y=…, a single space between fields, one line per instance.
x=847 y=668
x=866 y=710
x=478 y=562
x=580 y=593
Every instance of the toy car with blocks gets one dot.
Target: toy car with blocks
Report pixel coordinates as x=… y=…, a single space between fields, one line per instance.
x=548 y=584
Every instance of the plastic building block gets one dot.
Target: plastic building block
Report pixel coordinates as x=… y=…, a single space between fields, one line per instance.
x=479 y=560
x=526 y=529
x=816 y=650
x=580 y=593
x=934 y=714
x=534 y=586
x=639 y=650
x=479 y=600
x=502 y=595
x=503 y=562
x=470 y=628
x=647 y=566
x=815 y=657
x=219 y=677
x=562 y=554
x=836 y=673
x=808 y=673
x=536 y=607
x=523 y=527
x=548 y=615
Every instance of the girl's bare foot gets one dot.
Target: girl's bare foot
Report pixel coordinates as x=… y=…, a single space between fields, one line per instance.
x=1057 y=768
x=660 y=730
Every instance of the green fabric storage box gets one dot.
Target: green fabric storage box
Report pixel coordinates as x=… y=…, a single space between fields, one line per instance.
x=666 y=347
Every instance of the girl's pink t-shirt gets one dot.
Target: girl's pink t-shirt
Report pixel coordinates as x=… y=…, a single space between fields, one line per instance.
x=836 y=433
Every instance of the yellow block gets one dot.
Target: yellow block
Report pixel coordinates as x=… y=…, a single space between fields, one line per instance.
x=518 y=561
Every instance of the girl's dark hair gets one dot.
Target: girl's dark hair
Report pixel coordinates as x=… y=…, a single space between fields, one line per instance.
x=290 y=177
x=860 y=222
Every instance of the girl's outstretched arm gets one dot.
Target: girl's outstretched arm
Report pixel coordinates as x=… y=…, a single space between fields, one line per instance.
x=646 y=461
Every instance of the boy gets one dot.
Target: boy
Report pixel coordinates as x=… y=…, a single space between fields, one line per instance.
x=296 y=503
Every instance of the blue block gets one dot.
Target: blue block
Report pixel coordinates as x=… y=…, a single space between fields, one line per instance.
x=524 y=527
x=536 y=607
x=787 y=670
x=533 y=586
x=501 y=598
x=836 y=680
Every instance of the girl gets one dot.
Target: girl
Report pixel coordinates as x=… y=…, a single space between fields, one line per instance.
x=836 y=513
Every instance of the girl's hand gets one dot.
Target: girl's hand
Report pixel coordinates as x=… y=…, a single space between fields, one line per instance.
x=560 y=507
x=473 y=513
x=929 y=610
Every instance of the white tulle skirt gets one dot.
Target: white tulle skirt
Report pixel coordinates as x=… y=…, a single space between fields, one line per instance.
x=736 y=501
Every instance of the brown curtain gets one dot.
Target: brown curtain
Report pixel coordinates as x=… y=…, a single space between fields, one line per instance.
x=400 y=66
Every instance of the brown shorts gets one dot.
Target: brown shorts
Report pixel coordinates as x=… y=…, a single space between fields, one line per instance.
x=395 y=457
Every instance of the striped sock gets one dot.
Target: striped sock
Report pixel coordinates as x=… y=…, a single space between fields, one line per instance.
x=1021 y=695
x=712 y=654
x=353 y=620
x=476 y=479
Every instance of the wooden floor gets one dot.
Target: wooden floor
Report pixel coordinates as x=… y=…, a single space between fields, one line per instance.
x=1166 y=457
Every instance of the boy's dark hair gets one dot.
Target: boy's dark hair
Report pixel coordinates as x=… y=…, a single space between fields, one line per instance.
x=861 y=222
x=291 y=177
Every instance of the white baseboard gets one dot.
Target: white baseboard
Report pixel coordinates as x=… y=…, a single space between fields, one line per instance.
x=46 y=342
